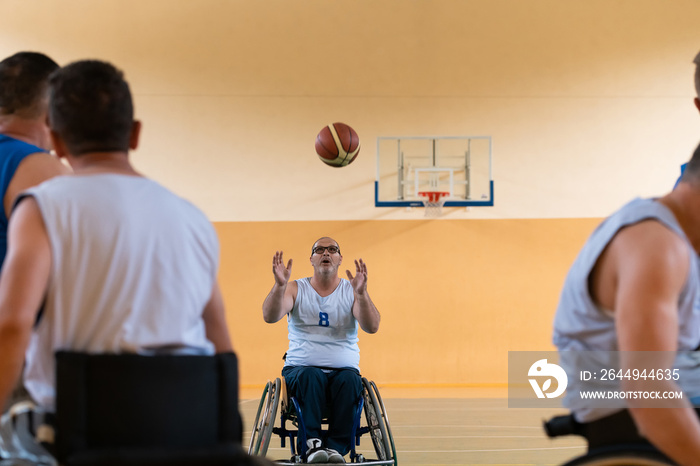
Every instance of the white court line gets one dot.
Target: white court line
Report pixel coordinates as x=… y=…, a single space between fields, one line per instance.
x=452 y=426
x=401 y=451
x=469 y=436
x=495 y=408
x=401 y=437
x=468 y=427
x=484 y=451
x=422 y=426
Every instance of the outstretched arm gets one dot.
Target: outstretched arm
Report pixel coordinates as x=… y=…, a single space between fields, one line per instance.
x=23 y=283
x=363 y=308
x=280 y=300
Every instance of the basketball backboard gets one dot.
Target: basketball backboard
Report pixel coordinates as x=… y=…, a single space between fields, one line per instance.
x=407 y=166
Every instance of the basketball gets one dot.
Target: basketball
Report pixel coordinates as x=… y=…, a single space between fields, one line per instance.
x=337 y=145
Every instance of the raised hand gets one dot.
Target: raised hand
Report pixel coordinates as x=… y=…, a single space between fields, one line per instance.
x=279 y=270
x=359 y=281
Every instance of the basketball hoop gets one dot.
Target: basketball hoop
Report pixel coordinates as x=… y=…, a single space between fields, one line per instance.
x=433 y=202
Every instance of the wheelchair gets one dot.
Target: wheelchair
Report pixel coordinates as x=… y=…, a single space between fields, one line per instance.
x=623 y=454
x=275 y=398
x=116 y=409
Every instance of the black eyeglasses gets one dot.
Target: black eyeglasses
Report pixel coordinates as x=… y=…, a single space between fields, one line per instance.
x=322 y=249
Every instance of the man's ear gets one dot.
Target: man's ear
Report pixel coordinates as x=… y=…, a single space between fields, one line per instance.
x=135 y=135
x=58 y=145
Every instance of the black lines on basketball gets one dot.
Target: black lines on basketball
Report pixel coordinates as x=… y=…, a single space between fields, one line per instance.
x=337 y=144
x=325 y=145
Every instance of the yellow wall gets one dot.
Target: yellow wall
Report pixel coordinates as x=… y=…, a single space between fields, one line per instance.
x=455 y=296
x=588 y=102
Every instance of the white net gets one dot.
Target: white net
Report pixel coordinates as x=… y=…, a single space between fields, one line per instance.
x=433 y=202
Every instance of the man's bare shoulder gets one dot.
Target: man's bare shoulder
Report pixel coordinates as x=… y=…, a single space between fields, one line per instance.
x=33 y=170
x=652 y=235
x=292 y=288
x=42 y=164
x=652 y=248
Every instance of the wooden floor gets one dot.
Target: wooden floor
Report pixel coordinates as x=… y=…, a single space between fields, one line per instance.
x=455 y=427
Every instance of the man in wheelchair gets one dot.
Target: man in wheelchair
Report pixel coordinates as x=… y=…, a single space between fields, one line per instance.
x=322 y=363
x=116 y=263
x=631 y=293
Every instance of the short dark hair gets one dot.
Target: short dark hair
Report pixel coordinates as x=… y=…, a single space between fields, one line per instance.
x=23 y=83
x=691 y=174
x=90 y=107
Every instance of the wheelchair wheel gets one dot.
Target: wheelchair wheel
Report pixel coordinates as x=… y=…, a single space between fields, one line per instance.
x=265 y=419
x=378 y=423
x=622 y=458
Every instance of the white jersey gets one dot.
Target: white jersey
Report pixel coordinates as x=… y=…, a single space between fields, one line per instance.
x=322 y=329
x=133 y=266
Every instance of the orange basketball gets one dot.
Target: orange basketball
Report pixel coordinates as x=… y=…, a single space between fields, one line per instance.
x=337 y=145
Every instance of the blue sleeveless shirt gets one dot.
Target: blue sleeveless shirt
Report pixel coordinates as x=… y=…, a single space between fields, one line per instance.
x=12 y=152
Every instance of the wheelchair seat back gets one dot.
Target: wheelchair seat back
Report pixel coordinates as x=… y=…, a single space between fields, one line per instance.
x=126 y=401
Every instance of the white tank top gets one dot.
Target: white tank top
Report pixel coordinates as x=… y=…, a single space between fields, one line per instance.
x=583 y=330
x=322 y=330
x=133 y=266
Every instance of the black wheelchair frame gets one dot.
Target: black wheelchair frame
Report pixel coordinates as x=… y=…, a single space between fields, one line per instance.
x=275 y=395
x=612 y=455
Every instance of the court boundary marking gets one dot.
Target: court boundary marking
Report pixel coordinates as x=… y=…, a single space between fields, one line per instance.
x=487 y=451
